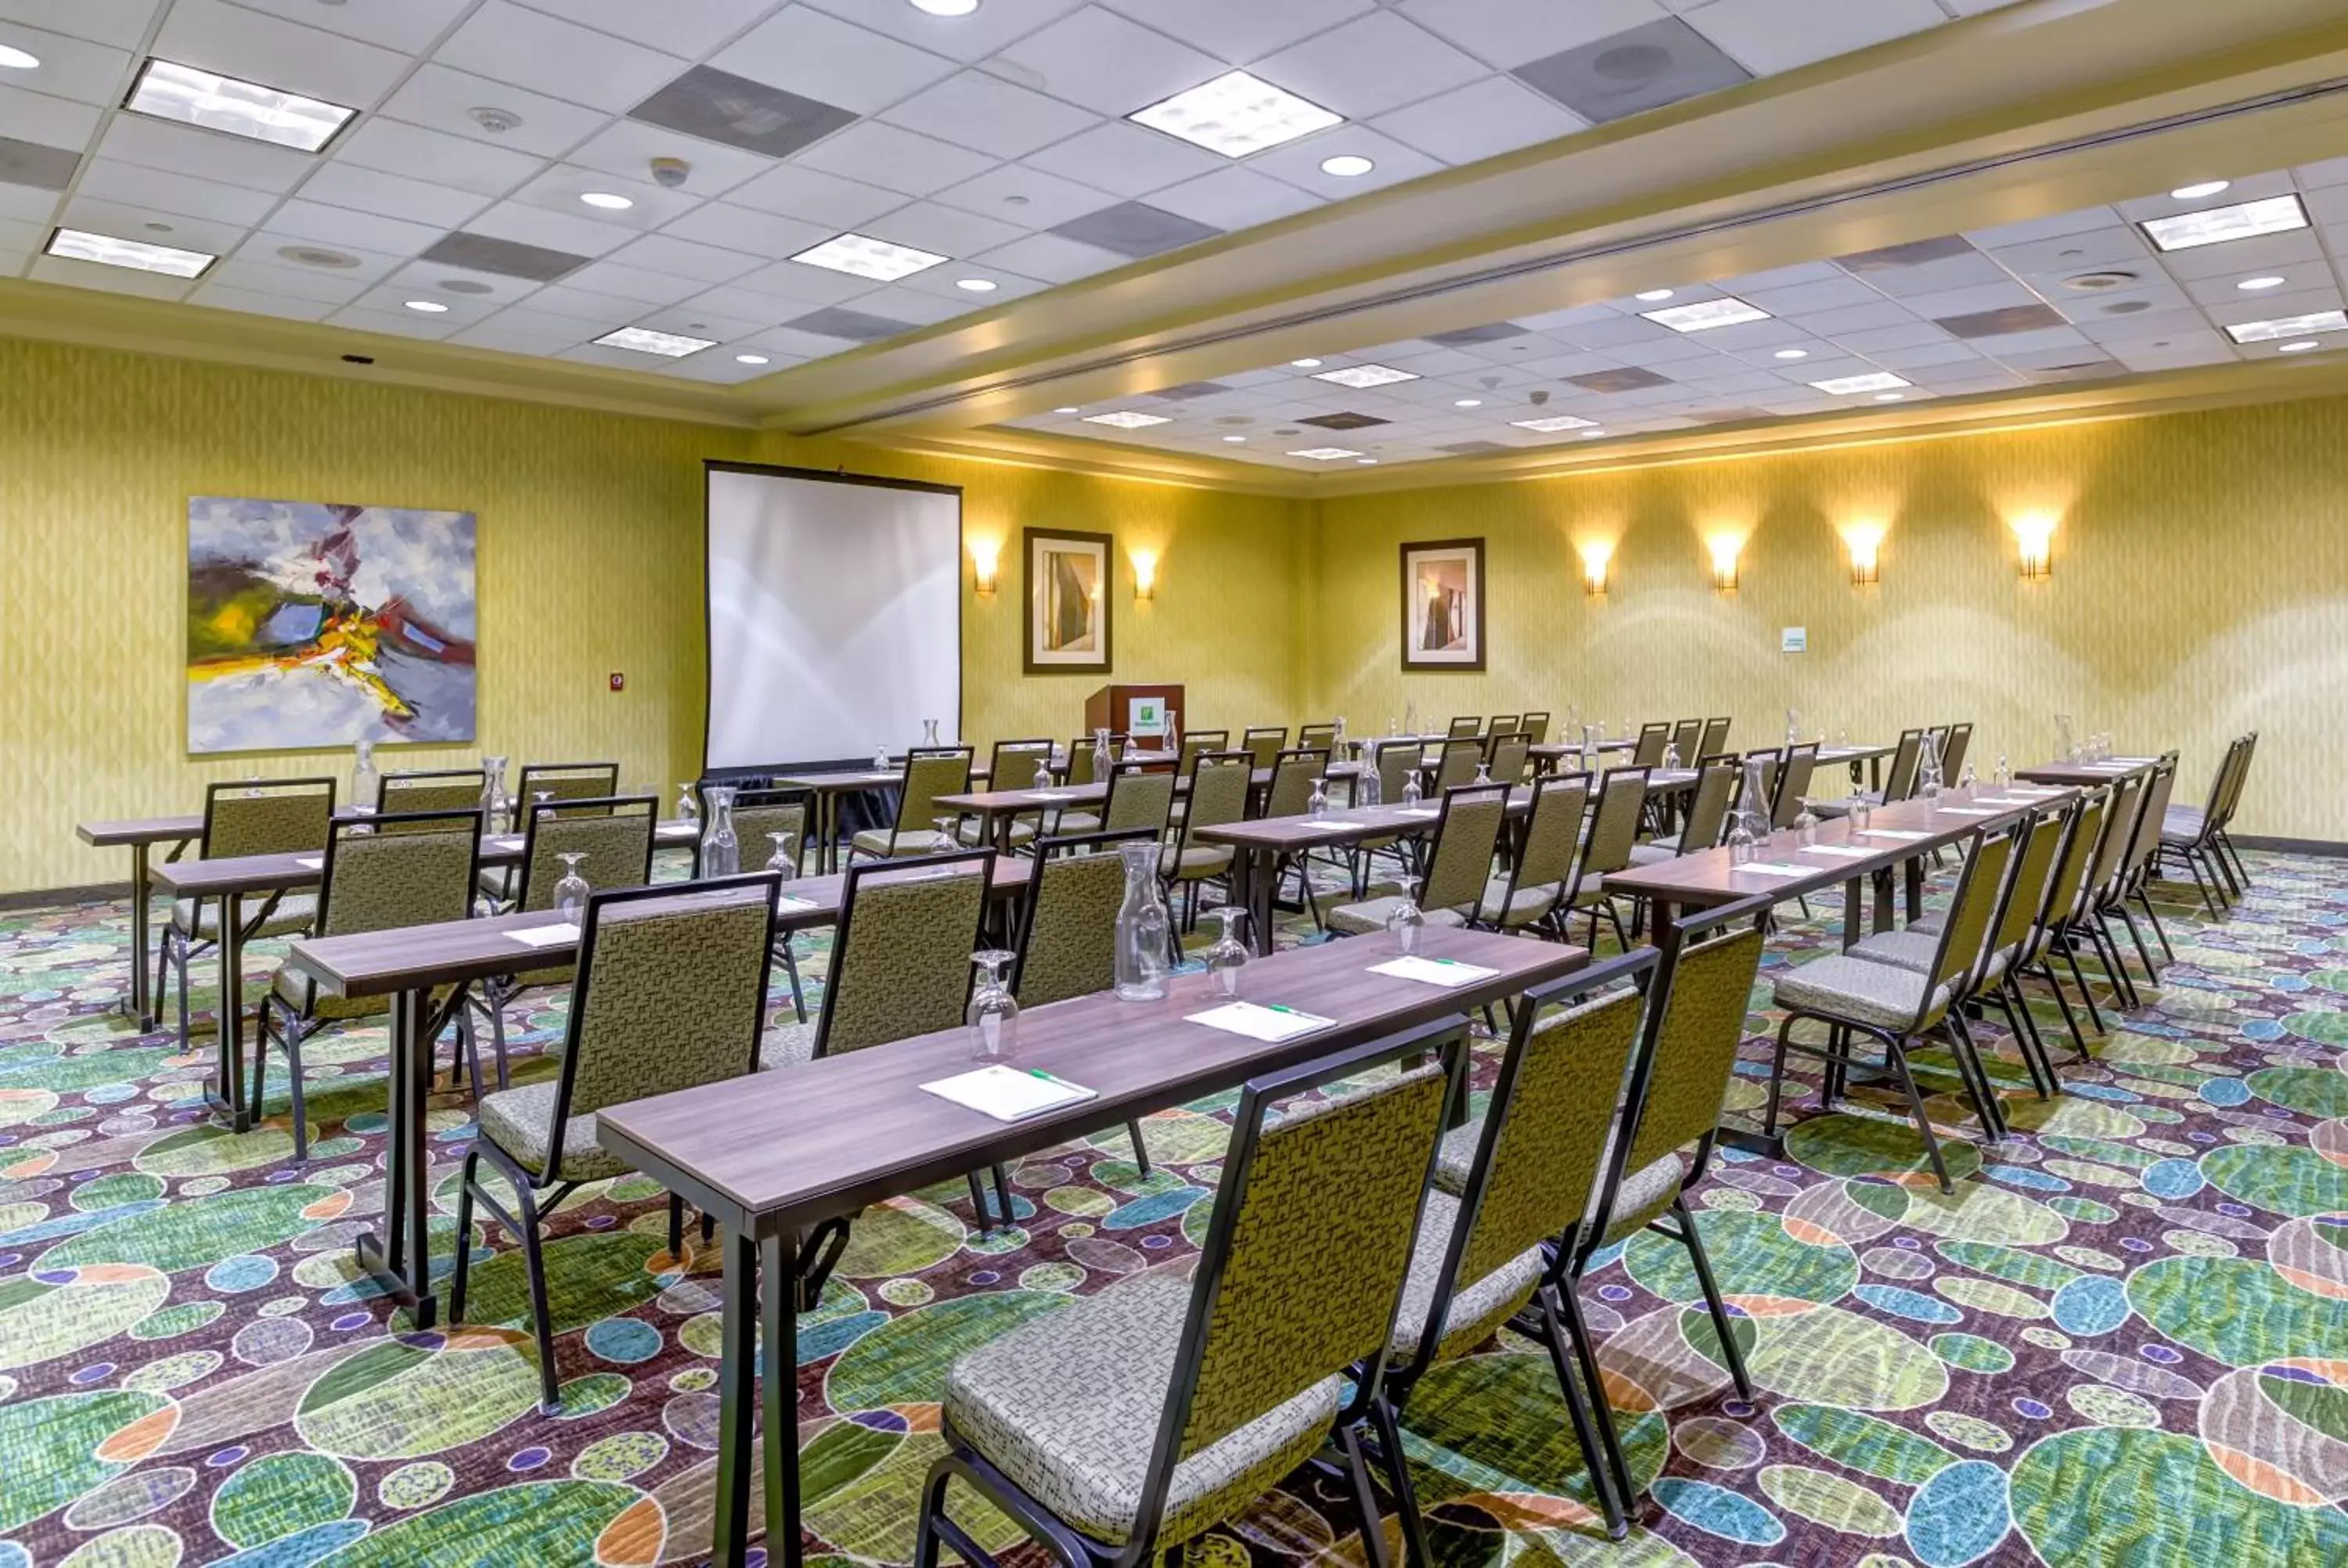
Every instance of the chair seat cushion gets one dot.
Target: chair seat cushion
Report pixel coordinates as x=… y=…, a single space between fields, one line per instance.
x=2184 y=818
x=1195 y=865
x=520 y=1120
x=896 y=845
x=495 y=881
x=1023 y=830
x=1911 y=950
x=1529 y=903
x=1478 y=1307
x=295 y=915
x=1364 y=918
x=1645 y=1192
x=1074 y=822
x=1654 y=854
x=298 y=993
x=1067 y=1407
x=1864 y=992
x=788 y=1046
x=1929 y=922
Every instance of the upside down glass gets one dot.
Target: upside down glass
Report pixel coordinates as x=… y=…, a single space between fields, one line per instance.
x=1228 y=954
x=571 y=893
x=993 y=1015
x=1407 y=923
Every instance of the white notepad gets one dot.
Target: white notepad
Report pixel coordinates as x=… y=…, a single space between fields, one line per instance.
x=1419 y=811
x=1776 y=868
x=1448 y=973
x=1906 y=836
x=1270 y=1024
x=786 y=905
x=1009 y=1093
x=1999 y=800
x=1049 y=795
x=1845 y=851
x=2036 y=790
x=545 y=935
x=1328 y=825
x=1962 y=811
x=506 y=842
x=310 y=862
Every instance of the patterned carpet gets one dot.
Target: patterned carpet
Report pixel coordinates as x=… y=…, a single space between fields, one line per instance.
x=2124 y=1340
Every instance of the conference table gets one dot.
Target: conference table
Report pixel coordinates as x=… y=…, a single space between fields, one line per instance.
x=827 y=785
x=773 y=1156
x=2085 y=775
x=409 y=963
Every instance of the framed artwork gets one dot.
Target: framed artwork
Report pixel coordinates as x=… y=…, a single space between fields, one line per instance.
x=1067 y=600
x=1442 y=605
x=314 y=625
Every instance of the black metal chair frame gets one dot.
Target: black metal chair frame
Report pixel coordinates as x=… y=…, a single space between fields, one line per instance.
x=178 y=948
x=753 y=799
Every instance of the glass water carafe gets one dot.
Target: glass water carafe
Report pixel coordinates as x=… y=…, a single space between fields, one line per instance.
x=2066 y=745
x=1103 y=763
x=365 y=782
x=1143 y=925
x=493 y=793
x=1753 y=804
x=1928 y=766
x=721 y=852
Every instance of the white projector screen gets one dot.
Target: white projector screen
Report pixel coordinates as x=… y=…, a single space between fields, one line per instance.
x=835 y=616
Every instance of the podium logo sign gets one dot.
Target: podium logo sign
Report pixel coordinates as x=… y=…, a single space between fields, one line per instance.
x=1067 y=601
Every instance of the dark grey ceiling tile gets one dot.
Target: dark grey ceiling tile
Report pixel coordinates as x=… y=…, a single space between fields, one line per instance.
x=1134 y=228
x=1188 y=389
x=719 y=105
x=1463 y=336
x=857 y=326
x=1630 y=378
x=1473 y=449
x=506 y=258
x=1641 y=68
x=1344 y=421
x=1915 y=253
x=1999 y=322
x=38 y=165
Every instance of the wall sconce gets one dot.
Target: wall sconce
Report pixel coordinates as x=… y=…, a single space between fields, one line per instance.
x=1145 y=576
x=1723 y=562
x=2036 y=532
x=984 y=560
x=1865 y=568
x=1595 y=558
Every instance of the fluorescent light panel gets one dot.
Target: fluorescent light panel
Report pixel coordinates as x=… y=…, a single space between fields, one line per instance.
x=1705 y=315
x=862 y=257
x=1235 y=114
x=77 y=245
x=1325 y=454
x=2244 y=221
x=175 y=92
x=1876 y=381
x=643 y=340
x=2290 y=326
x=1361 y=377
x=1554 y=424
x=1128 y=419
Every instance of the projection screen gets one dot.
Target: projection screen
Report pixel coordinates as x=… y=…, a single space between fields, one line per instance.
x=835 y=616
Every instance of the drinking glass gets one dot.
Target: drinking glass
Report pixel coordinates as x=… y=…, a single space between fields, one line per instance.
x=1227 y=956
x=1671 y=756
x=571 y=893
x=1318 y=806
x=880 y=758
x=1861 y=814
x=1842 y=736
x=689 y=810
x=1806 y=827
x=1965 y=781
x=1042 y=779
x=1337 y=736
x=1740 y=843
x=930 y=733
x=1407 y=923
x=1413 y=791
x=2064 y=745
x=947 y=840
x=2005 y=774
x=784 y=864
x=993 y=1015
x=541 y=796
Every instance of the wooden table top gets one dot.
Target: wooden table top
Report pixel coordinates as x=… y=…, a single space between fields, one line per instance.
x=1707 y=877
x=1554 y=748
x=275 y=873
x=2084 y=776
x=175 y=829
x=989 y=802
x=835 y=1135
x=1349 y=824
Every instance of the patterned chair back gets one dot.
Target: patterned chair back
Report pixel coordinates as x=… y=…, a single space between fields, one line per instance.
x=1503 y=724
x=1510 y=748
x=2040 y=838
x=568 y=782
x=272 y=817
x=1219 y=792
x=1396 y=761
x=1291 y=1289
x=2149 y=817
x=1652 y=738
x=1467 y=724
x=1715 y=736
x=1974 y=907
x=1769 y=761
x=1552 y=832
x=1138 y=796
x=759 y=815
x=900 y=958
x=1080 y=758
x=1614 y=829
x=1536 y=725
x=1291 y=782
x=615 y=834
x=1707 y=812
x=1687 y=736
x=1461 y=758
x=1899 y=777
x=1201 y=743
x=1954 y=743
x=2119 y=830
x=1263 y=744
x=1462 y=861
x=1013 y=766
x=929 y=774
x=2241 y=774
x=1316 y=737
x=1793 y=783
x=1068 y=945
x=683 y=966
x=419 y=874
x=2065 y=892
x=412 y=795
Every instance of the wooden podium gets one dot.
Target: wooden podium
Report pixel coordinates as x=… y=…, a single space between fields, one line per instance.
x=1111 y=707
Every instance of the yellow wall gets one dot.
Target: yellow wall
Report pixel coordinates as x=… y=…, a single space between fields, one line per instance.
x=2199 y=588
x=591 y=561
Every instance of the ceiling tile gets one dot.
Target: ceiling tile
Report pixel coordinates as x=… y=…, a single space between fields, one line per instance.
x=1915 y=335
x=2079 y=251
x=529 y=225
x=720 y=367
x=343 y=184
x=340 y=226
x=809 y=52
x=511 y=337
x=37 y=164
x=1137 y=229
x=2246 y=188
x=972 y=38
x=409 y=26
x=394 y=322
x=687 y=27
x=283 y=251
x=805 y=285
x=635 y=283
x=1241 y=31
x=2242 y=258
x=392 y=299
x=112 y=280
x=984 y=112
x=1770 y=35
x=1026 y=198
x=2223 y=289
x=944 y=282
x=559 y=188
x=220 y=296
x=2273 y=307
x=601 y=312
x=921 y=307
x=1966 y=301
x=432 y=157
x=1375 y=63
x=1856 y=319
x=696 y=321
x=213 y=36
x=1958 y=272
x=1637 y=69
x=848 y=324
x=716 y=105
x=128 y=222
x=121 y=23
x=510 y=258
x=627 y=147
x=1107 y=63
x=942 y=231
x=1508 y=33
x=1052 y=258
x=231 y=159
x=742 y=304
x=1299 y=162
x=2052 y=226
x=307 y=284
x=508 y=43
x=732 y=228
x=1479 y=120
x=2000 y=322
x=1125 y=159
x=2153 y=324
x=442 y=100
x=435 y=279
x=793 y=191
x=1234 y=198
x=1922 y=355
x=181 y=193
x=898 y=159
x=666 y=253
x=2179 y=351
x=69 y=67
x=1806 y=298
x=2329 y=172
x=55 y=122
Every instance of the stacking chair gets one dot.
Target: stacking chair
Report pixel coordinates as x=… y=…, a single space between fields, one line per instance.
x=372 y=881
x=1291 y=794
x=1503 y=724
x=759 y=816
x=1201 y=743
x=928 y=774
x=1715 y=737
x=1955 y=742
x=1458 y=866
x=1899 y=778
x=1080 y=757
x=1396 y=761
x=1128 y=1422
x=413 y=794
x=2193 y=836
x=1536 y=725
x=1219 y=795
x=1687 y=739
x=567 y=781
x=1793 y=783
x=1138 y=796
x=2064 y=891
x=1534 y=891
x=1466 y=724
x=1013 y=767
x=287 y=817
x=1461 y=757
x=2077 y=921
x=689 y=964
x=1649 y=752
x=615 y=838
x=1705 y=820
x=1613 y=833
x=1853 y=996
x=1510 y=749
x=2139 y=863
x=1317 y=737
x=2233 y=804
x=1264 y=742
x=1067 y=934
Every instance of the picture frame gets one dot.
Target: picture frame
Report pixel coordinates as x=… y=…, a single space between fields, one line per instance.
x=1443 y=604
x=1070 y=622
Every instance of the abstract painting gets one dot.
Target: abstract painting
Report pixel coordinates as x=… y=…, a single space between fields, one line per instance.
x=1442 y=605
x=313 y=626
x=1067 y=600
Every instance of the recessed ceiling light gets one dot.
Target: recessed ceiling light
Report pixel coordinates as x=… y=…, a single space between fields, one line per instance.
x=1305 y=363
x=1064 y=410
x=1705 y=315
x=2196 y=192
x=1470 y=402
x=643 y=340
x=608 y=201
x=1128 y=419
x=1874 y=381
x=1325 y=454
x=1236 y=440
x=2290 y=326
x=1890 y=398
x=1367 y=462
x=946 y=8
x=429 y=307
x=1347 y=165
x=1592 y=435
x=860 y=257
x=1359 y=376
x=1555 y=423
x=1236 y=114
x=2247 y=220
x=15 y=59
x=1792 y=354
x=2256 y=285
x=191 y=97
x=1657 y=296
x=977 y=285
x=76 y=245
x=750 y=359
x=2302 y=346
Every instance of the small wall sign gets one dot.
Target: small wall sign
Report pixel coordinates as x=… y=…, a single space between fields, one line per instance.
x=1794 y=639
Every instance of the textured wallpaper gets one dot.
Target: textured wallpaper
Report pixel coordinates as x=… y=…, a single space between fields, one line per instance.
x=2199 y=588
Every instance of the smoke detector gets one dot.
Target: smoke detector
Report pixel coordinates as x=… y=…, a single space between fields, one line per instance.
x=493 y=119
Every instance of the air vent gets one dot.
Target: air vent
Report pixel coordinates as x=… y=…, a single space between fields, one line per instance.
x=316 y=256
x=2097 y=282
x=464 y=286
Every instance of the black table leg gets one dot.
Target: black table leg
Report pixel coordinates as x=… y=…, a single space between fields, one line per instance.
x=401 y=1258
x=226 y=1094
x=1883 y=899
x=737 y=1376
x=1914 y=872
x=779 y=1325
x=138 y=1004
x=1262 y=892
x=1851 y=901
